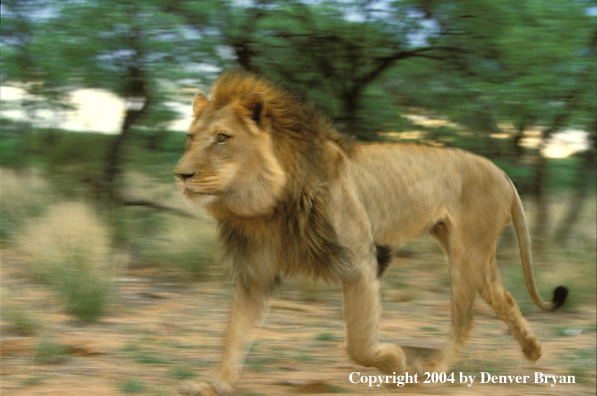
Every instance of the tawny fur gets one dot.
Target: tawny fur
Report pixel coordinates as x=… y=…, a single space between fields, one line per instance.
x=293 y=197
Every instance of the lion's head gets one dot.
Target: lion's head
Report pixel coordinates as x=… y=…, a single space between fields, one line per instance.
x=229 y=161
x=252 y=146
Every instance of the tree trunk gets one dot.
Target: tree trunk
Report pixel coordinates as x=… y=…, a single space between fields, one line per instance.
x=539 y=193
x=351 y=107
x=586 y=166
x=244 y=55
x=137 y=92
x=558 y=122
x=539 y=186
x=517 y=138
x=114 y=158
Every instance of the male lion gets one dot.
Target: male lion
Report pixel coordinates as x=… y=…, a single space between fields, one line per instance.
x=292 y=196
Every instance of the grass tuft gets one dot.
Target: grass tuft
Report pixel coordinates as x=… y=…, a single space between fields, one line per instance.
x=69 y=250
x=49 y=351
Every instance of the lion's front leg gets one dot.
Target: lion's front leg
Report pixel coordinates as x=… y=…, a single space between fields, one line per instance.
x=362 y=313
x=249 y=306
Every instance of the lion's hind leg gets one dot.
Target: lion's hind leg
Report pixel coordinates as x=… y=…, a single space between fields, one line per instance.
x=463 y=297
x=465 y=258
x=494 y=293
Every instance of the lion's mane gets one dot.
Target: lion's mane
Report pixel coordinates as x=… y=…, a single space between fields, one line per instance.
x=306 y=241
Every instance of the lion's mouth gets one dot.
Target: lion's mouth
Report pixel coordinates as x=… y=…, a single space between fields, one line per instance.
x=197 y=193
x=201 y=193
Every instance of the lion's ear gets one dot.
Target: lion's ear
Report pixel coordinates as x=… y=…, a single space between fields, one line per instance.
x=257 y=106
x=200 y=102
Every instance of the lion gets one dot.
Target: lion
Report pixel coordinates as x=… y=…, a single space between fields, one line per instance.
x=294 y=197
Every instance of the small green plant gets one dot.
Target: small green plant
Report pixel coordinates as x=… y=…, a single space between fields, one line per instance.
x=33 y=380
x=304 y=357
x=132 y=386
x=582 y=361
x=149 y=357
x=69 y=250
x=327 y=337
x=431 y=329
x=49 y=351
x=25 y=322
x=262 y=364
x=182 y=373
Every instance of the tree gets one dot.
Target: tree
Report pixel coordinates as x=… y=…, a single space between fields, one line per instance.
x=27 y=64
x=132 y=49
x=345 y=47
x=550 y=75
x=587 y=117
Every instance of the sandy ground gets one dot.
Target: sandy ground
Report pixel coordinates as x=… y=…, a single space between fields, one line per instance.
x=163 y=331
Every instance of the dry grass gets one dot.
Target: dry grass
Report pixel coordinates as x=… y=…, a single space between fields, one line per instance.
x=183 y=245
x=69 y=249
x=187 y=246
x=23 y=194
x=24 y=319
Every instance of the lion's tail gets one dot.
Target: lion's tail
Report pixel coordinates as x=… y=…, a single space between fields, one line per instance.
x=524 y=243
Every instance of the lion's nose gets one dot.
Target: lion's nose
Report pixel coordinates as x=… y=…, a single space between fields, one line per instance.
x=184 y=176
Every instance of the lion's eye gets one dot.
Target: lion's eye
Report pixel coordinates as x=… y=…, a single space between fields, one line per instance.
x=221 y=138
x=189 y=138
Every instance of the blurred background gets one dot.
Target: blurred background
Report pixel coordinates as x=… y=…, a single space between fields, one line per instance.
x=96 y=97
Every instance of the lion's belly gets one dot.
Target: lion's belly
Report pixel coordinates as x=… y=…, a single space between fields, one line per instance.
x=401 y=220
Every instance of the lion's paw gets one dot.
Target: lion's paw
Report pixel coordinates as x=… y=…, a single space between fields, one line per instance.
x=390 y=358
x=533 y=350
x=202 y=389
x=421 y=366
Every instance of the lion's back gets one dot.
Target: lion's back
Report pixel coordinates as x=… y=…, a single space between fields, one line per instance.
x=407 y=185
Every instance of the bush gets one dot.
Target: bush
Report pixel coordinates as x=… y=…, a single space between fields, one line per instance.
x=69 y=249
x=184 y=245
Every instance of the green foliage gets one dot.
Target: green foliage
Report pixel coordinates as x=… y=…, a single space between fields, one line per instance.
x=150 y=357
x=34 y=380
x=14 y=143
x=85 y=297
x=480 y=62
x=24 y=320
x=327 y=337
x=521 y=174
x=182 y=373
x=563 y=173
x=133 y=386
x=49 y=351
x=489 y=66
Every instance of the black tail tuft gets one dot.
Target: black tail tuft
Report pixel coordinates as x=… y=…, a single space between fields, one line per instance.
x=559 y=297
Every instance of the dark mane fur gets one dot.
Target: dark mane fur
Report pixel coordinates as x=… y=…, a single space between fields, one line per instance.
x=308 y=243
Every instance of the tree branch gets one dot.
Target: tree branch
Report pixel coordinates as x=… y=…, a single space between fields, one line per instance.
x=158 y=207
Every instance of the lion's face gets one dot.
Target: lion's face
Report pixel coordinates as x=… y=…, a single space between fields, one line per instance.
x=229 y=162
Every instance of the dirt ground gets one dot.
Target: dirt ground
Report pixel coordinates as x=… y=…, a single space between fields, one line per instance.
x=162 y=331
